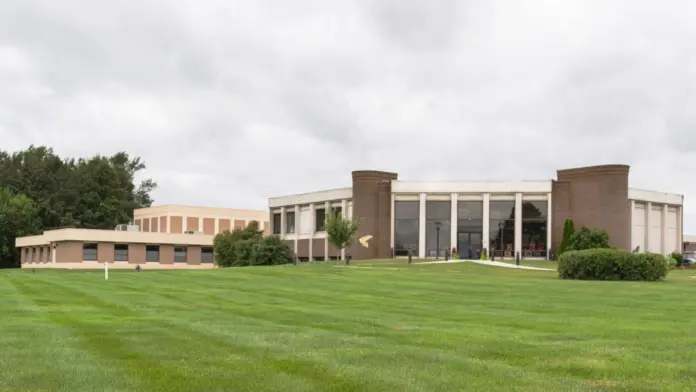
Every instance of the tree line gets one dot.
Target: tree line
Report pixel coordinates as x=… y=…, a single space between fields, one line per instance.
x=39 y=190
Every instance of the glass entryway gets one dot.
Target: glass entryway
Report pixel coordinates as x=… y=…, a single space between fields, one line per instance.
x=469 y=245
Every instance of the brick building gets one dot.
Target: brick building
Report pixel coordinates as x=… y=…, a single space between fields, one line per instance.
x=503 y=217
x=166 y=236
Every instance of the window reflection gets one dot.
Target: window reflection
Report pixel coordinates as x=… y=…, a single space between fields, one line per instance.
x=406 y=222
x=501 y=227
x=534 y=228
x=437 y=213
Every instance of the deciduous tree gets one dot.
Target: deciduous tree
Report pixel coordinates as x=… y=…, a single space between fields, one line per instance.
x=18 y=217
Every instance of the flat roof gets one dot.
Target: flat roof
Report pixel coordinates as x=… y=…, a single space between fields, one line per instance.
x=112 y=236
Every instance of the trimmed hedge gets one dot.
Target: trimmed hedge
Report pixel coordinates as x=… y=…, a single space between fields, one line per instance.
x=611 y=264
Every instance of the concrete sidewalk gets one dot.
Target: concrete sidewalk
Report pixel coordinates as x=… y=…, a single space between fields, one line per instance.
x=490 y=263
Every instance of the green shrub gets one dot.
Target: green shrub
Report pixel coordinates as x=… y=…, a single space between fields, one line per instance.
x=589 y=239
x=678 y=258
x=568 y=231
x=611 y=264
x=247 y=246
x=484 y=256
x=671 y=262
x=272 y=251
x=455 y=256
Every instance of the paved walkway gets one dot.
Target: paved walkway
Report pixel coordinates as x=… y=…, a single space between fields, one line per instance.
x=488 y=262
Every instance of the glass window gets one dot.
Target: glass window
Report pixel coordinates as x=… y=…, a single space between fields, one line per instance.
x=276 y=223
x=437 y=227
x=290 y=222
x=89 y=252
x=406 y=224
x=470 y=217
x=152 y=253
x=180 y=254
x=320 y=219
x=120 y=252
x=41 y=255
x=206 y=255
x=502 y=227
x=534 y=228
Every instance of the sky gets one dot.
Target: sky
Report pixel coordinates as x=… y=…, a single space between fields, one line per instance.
x=232 y=102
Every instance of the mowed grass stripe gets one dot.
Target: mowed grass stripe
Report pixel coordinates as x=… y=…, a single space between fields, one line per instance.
x=452 y=359
x=161 y=354
x=448 y=327
x=41 y=355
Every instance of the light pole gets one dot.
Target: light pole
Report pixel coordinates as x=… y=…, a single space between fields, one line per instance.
x=438 y=224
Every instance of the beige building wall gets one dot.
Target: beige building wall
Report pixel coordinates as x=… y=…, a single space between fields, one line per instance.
x=208 y=220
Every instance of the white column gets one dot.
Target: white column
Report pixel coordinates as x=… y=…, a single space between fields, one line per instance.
x=421 y=227
x=217 y=226
x=391 y=222
x=549 y=225
x=169 y=224
x=453 y=221
x=680 y=229
x=344 y=211
x=53 y=252
x=327 y=211
x=200 y=224
x=282 y=222
x=312 y=229
x=518 y=223
x=631 y=225
x=648 y=226
x=664 y=230
x=297 y=225
x=486 y=218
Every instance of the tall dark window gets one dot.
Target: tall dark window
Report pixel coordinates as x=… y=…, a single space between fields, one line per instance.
x=180 y=254
x=152 y=253
x=320 y=219
x=437 y=213
x=469 y=229
x=406 y=219
x=277 y=222
x=121 y=252
x=290 y=222
x=502 y=227
x=534 y=228
x=89 y=252
x=206 y=255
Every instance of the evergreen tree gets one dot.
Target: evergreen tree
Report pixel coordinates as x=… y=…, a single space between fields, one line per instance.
x=568 y=231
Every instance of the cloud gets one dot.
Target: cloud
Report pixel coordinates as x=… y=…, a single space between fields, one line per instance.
x=233 y=102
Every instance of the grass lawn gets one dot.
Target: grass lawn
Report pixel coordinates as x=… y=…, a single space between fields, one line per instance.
x=380 y=326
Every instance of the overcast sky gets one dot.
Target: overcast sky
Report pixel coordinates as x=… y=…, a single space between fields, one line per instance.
x=231 y=102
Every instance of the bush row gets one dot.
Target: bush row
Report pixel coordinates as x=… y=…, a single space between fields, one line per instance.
x=245 y=247
x=612 y=264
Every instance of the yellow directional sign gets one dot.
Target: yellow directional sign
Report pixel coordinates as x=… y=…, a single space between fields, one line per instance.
x=363 y=241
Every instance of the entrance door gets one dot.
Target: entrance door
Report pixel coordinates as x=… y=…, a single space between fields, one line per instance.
x=469 y=245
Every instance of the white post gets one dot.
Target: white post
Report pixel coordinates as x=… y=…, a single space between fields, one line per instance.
x=518 y=224
x=327 y=211
x=648 y=226
x=421 y=227
x=298 y=229
x=549 y=226
x=391 y=223
x=106 y=271
x=454 y=197
x=486 y=234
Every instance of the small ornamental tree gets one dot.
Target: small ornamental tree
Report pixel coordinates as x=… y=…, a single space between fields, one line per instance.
x=340 y=231
x=589 y=239
x=568 y=231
